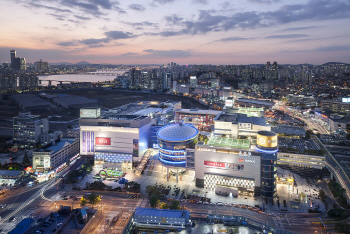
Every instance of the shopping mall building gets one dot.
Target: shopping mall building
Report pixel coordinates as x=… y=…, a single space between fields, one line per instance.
x=113 y=138
x=240 y=156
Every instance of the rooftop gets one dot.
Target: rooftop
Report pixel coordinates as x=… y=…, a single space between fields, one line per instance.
x=10 y=172
x=162 y=213
x=197 y=111
x=147 y=111
x=177 y=132
x=59 y=145
x=254 y=120
x=228 y=118
x=229 y=142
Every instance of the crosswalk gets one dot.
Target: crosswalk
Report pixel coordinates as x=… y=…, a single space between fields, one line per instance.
x=278 y=223
x=142 y=202
x=8 y=226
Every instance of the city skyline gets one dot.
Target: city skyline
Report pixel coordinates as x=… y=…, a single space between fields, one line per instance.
x=186 y=32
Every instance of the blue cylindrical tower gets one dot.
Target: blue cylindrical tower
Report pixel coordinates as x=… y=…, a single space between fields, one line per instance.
x=172 y=142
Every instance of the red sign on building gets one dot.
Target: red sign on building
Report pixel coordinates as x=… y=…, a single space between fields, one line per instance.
x=214 y=164
x=103 y=141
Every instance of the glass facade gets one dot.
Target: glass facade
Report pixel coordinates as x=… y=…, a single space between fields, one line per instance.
x=173 y=153
x=268 y=175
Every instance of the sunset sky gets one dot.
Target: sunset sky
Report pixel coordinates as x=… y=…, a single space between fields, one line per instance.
x=181 y=31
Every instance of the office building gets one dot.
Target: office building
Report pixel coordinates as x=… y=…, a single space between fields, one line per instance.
x=301 y=100
x=28 y=128
x=42 y=66
x=23 y=65
x=193 y=81
x=336 y=106
x=13 y=56
x=55 y=154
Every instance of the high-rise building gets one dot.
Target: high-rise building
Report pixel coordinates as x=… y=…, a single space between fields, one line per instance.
x=193 y=81
x=42 y=66
x=17 y=65
x=13 y=56
x=23 y=65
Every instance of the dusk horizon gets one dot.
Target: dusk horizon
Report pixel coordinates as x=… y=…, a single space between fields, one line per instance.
x=185 y=32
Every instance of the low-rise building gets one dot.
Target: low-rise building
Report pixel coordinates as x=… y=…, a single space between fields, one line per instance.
x=301 y=100
x=10 y=176
x=161 y=218
x=335 y=106
x=46 y=139
x=54 y=155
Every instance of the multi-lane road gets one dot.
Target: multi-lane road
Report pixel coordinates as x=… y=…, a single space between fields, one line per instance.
x=25 y=201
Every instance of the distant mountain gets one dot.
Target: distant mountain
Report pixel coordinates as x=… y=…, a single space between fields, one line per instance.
x=82 y=63
x=332 y=63
x=62 y=63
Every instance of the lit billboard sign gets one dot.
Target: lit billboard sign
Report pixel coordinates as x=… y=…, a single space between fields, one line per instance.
x=224 y=166
x=92 y=113
x=345 y=99
x=267 y=141
x=88 y=141
x=103 y=141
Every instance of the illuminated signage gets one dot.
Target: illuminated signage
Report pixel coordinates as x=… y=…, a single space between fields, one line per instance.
x=103 y=141
x=224 y=166
x=245 y=126
x=245 y=154
x=92 y=113
x=267 y=141
x=345 y=99
x=249 y=160
x=207 y=149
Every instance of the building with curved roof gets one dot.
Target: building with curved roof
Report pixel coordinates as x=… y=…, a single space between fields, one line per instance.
x=173 y=140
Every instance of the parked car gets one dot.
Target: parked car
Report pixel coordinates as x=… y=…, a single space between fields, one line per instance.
x=13 y=219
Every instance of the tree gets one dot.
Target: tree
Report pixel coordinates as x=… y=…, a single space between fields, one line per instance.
x=154 y=201
x=97 y=185
x=93 y=199
x=25 y=161
x=164 y=206
x=332 y=213
x=308 y=134
x=322 y=195
x=151 y=190
x=175 y=205
x=83 y=201
x=344 y=215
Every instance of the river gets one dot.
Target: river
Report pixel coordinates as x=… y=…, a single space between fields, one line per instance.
x=84 y=77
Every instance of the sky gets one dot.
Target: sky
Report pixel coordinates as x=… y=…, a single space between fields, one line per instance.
x=180 y=31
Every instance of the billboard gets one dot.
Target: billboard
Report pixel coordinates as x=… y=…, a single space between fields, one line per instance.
x=135 y=147
x=92 y=141
x=84 y=141
x=90 y=113
x=103 y=141
x=345 y=99
x=224 y=166
x=88 y=141
x=267 y=141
